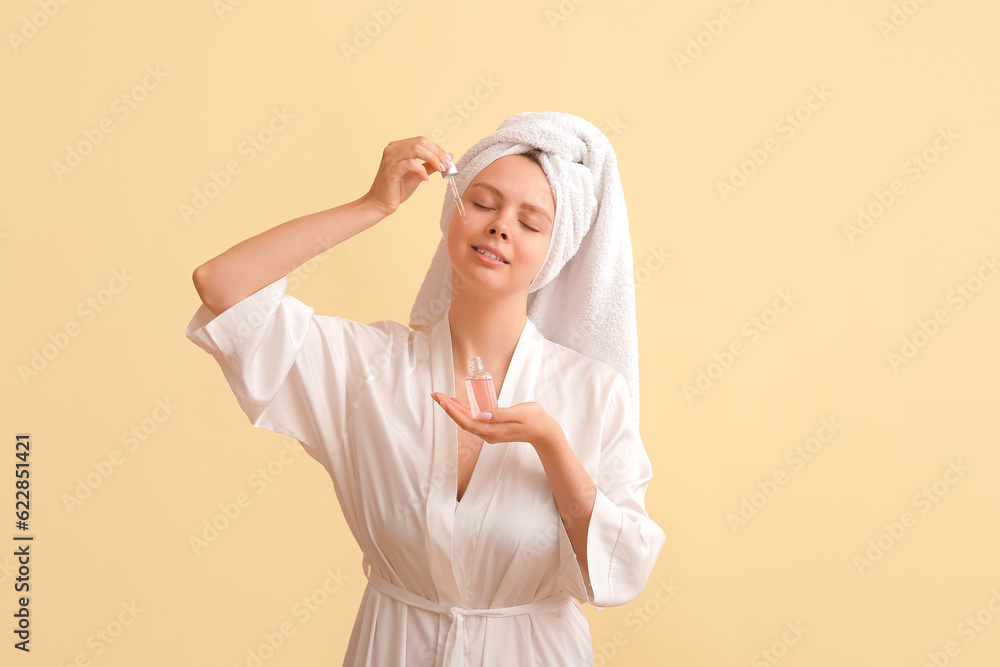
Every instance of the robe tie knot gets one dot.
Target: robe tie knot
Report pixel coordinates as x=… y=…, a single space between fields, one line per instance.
x=456 y=643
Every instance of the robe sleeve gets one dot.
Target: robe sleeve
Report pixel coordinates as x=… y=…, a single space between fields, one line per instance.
x=622 y=541
x=292 y=372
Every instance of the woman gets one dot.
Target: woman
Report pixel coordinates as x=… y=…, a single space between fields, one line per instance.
x=479 y=532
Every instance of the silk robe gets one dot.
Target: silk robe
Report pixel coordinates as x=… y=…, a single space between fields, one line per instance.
x=357 y=397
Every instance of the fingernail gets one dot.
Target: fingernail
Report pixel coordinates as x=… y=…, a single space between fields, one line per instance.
x=485 y=415
x=443 y=166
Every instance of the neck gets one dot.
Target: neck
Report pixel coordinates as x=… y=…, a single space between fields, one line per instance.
x=487 y=327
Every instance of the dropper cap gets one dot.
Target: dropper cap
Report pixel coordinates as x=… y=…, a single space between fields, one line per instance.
x=476 y=367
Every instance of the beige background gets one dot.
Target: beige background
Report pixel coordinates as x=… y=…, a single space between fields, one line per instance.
x=790 y=577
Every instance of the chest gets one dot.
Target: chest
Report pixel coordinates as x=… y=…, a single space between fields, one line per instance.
x=399 y=454
x=469 y=446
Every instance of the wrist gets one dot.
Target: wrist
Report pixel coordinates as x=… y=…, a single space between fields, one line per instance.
x=369 y=207
x=549 y=437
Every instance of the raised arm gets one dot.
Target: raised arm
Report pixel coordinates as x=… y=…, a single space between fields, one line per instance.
x=258 y=261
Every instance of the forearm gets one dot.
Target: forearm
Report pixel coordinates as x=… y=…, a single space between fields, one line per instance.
x=572 y=488
x=258 y=261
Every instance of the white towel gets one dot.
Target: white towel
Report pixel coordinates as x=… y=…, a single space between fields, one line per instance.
x=583 y=297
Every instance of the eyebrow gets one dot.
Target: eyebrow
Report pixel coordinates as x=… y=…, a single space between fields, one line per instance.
x=530 y=207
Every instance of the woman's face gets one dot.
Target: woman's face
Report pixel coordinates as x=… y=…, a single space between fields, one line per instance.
x=509 y=212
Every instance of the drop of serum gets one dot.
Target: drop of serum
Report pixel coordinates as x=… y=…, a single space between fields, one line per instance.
x=479 y=384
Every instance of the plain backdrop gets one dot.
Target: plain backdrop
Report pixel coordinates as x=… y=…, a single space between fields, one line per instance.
x=811 y=191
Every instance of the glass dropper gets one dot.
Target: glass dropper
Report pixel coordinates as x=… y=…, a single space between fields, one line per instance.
x=450 y=175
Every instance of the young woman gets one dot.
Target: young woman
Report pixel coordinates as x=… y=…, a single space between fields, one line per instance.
x=479 y=532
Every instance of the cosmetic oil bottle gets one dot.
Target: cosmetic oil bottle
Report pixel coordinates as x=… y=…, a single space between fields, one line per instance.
x=479 y=384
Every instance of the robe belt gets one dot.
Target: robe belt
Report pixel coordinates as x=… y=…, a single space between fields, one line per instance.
x=454 y=648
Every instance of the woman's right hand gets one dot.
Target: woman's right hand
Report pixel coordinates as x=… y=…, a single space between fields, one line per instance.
x=405 y=163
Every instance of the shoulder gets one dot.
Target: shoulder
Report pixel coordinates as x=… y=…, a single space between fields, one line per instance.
x=383 y=328
x=571 y=359
x=371 y=339
x=586 y=375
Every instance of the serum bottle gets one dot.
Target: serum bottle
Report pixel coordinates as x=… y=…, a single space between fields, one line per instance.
x=479 y=384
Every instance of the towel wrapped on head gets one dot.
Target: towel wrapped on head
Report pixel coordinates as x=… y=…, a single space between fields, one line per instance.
x=583 y=297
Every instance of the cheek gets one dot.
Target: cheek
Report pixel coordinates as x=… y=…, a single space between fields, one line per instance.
x=455 y=239
x=535 y=253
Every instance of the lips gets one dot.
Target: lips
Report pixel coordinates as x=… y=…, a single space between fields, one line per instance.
x=492 y=251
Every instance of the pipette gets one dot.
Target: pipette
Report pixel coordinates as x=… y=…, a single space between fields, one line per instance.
x=450 y=175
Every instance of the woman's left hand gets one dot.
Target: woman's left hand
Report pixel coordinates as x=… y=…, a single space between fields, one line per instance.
x=524 y=422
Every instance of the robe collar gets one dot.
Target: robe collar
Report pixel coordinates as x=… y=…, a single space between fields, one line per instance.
x=443 y=486
x=441 y=346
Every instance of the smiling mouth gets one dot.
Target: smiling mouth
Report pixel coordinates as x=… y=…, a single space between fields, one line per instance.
x=489 y=254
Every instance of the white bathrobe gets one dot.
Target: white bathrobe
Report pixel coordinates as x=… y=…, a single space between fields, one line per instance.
x=358 y=398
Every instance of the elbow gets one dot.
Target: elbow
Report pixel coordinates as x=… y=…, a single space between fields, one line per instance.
x=198 y=277
x=203 y=285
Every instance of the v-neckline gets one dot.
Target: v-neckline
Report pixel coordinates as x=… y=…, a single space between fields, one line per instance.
x=487 y=449
x=442 y=490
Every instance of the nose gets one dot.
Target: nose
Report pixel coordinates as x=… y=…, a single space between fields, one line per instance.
x=502 y=221
x=500 y=227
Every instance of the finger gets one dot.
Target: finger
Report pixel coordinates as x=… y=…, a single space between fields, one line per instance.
x=424 y=170
x=409 y=150
x=458 y=417
x=439 y=398
x=431 y=153
x=460 y=413
x=415 y=166
x=435 y=152
x=497 y=414
x=419 y=165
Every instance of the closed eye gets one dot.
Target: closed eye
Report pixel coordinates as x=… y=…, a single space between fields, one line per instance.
x=487 y=208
